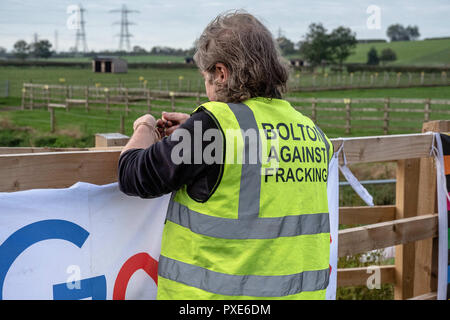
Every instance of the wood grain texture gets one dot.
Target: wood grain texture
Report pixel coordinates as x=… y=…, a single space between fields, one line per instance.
x=386 y=234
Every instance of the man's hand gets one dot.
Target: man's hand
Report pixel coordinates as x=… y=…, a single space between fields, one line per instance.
x=170 y=122
x=147 y=120
x=145 y=133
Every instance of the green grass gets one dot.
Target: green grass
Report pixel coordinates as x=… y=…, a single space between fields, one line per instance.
x=425 y=53
x=157 y=78
x=131 y=59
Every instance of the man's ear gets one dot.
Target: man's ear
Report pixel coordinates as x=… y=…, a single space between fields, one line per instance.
x=221 y=73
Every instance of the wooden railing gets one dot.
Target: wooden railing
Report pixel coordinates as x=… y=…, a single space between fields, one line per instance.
x=380 y=115
x=411 y=224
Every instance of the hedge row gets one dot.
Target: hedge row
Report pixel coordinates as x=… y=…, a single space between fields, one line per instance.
x=133 y=65
x=364 y=67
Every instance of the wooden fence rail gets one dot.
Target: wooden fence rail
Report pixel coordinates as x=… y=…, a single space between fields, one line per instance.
x=379 y=226
x=383 y=115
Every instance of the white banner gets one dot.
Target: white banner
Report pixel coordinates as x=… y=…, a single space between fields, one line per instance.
x=94 y=242
x=83 y=242
x=333 y=209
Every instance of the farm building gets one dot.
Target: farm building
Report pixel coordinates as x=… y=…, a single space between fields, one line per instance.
x=109 y=65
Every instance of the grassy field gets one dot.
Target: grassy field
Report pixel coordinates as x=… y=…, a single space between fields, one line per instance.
x=156 y=77
x=131 y=59
x=418 y=53
x=428 y=52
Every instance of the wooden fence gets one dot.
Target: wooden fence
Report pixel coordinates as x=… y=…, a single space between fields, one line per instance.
x=381 y=115
x=365 y=80
x=411 y=224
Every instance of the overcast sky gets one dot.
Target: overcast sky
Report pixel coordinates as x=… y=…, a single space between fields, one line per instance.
x=177 y=23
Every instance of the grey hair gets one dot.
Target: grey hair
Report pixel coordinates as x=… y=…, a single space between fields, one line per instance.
x=246 y=47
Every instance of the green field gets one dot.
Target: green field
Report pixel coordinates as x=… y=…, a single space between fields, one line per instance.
x=130 y=59
x=423 y=53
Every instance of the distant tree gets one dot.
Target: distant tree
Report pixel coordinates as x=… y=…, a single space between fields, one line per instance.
x=138 y=49
x=372 y=57
x=342 y=41
x=286 y=45
x=21 y=49
x=396 y=32
x=388 y=55
x=2 y=51
x=42 y=49
x=413 y=32
x=316 y=45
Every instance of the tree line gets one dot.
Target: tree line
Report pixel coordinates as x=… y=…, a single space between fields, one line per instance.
x=318 y=47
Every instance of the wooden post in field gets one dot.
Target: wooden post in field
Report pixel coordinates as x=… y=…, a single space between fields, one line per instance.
x=347 y=116
x=107 y=99
x=427 y=109
x=149 y=100
x=422 y=77
x=122 y=124
x=386 y=116
x=425 y=278
x=172 y=101
x=197 y=98
x=407 y=187
x=314 y=110
x=52 y=119
x=127 y=102
x=86 y=97
x=31 y=98
x=24 y=92
x=399 y=74
x=409 y=78
x=47 y=95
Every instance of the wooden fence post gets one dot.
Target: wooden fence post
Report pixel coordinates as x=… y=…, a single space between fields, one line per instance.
x=386 y=116
x=427 y=110
x=348 y=127
x=149 y=101
x=314 y=110
x=52 y=119
x=86 y=96
x=172 y=101
x=31 y=98
x=425 y=277
x=127 y=102
x=107 y=99
x=47 y=95
x=407 y=187
x=24 y=91
x=122 y=124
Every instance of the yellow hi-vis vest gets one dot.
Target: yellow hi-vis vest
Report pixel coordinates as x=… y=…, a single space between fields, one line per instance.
x=264 y=233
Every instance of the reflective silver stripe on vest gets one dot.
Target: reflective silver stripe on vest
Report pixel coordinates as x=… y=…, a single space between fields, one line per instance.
x=250 y=189
x=242 y=285
x=248 y=225
x=248 y=228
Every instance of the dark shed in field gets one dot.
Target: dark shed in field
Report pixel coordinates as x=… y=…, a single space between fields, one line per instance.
x=109 y=65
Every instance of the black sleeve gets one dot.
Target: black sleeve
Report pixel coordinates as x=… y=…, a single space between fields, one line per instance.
x=150 y=172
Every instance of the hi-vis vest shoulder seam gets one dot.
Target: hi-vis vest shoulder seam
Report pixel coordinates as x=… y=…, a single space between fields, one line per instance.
x=248 y=225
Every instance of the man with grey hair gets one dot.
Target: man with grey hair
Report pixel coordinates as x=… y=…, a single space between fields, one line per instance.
x=245 y=229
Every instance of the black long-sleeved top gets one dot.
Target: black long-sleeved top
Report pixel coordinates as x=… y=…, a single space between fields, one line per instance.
x=150 y=172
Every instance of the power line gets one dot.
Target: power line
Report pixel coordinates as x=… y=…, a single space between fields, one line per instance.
x=125 y=34
x=81 y=33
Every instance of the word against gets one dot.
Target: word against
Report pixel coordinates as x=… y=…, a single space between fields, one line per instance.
x=228 y=309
